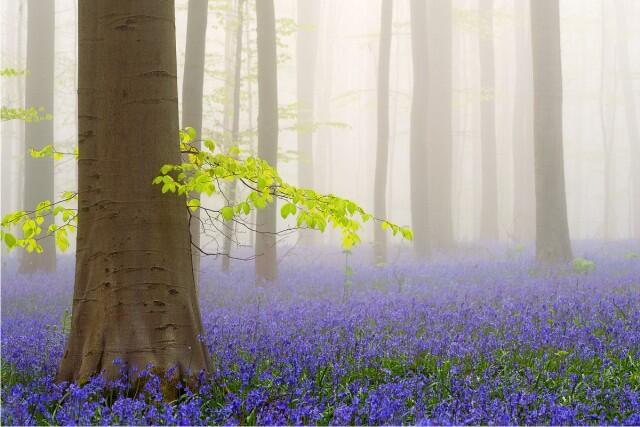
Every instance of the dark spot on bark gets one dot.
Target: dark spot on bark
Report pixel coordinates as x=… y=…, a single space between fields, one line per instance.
x=160 y=303
x=156 y=268
x=173 y=292
x=107 y=284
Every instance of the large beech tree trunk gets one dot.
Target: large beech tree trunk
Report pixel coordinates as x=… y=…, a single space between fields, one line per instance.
x=418 y=137
x=439 y=122
x=38 y=172
x=523 y=186
x=235 y=132
x=489 y=209
x=135 y=295
x=192 y=90
x=382 y=148
x=552 y=230
x=266 y=253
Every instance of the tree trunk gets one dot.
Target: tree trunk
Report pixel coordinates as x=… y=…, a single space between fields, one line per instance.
x=439 y=122
x=192 y=91
x=266 y=253
x=134 y=295
x=552 y=229
x=306 y=55
x=38 y=184
x=631 y=116
x=489 y=210
x=235 y=131
x=418 y=137
x=382 y=148
x=523 y=185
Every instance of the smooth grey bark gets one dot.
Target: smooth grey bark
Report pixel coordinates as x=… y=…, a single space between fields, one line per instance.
x=489 y=209
x=192 y=92
x=235 y=131
x=631 y=115
x=306 y=56
x=266 y=266
x=523 y=177
x=607 y=139
x=134 y=294
x=418 y=137
x=439 y=123
x=382 y=146
x=38 y=172
x=552 y=229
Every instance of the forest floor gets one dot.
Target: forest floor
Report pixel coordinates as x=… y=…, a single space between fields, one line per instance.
x=486 y=337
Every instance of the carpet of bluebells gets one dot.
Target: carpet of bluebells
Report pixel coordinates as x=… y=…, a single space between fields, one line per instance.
x=486 y=337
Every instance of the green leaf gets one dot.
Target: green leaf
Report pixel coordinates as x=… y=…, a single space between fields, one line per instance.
x=288 y=209
x=9 y=239
x=227 y=213
x=193 y=204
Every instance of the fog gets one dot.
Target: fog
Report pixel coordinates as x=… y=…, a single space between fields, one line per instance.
x=600 y=73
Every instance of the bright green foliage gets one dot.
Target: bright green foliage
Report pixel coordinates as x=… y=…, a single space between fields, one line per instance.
x=23 y=228
x=204 y=172
x=29 y=115
x=12 y=72
x=583 y=266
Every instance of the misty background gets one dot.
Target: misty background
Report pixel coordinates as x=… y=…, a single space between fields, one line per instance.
x=600 y=68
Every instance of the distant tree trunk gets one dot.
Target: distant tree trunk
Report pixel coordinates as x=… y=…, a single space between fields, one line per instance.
x=631 y=115
x=192 y=91
x=439 y=123
x=134 y=296
x=489 y=210
x=523 y=180
x=608 y=140
x=552 y=229
x=418 y=138
x=266 y=253
x=382 y=150
x=38 y=184
x=235 y=131
x=306 y=54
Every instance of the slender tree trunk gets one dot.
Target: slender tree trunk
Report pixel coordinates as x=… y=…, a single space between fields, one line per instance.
x=418 y=137
x=382 y=148
x=631 y=116
x=38 y=185
x=235 y=131
x=134 y=295
x=306 y=55
x=192 y=92
x=552 y=229
x=266 y=253
x=523 y=181
x=489 y=210
x=439 y=122
x=608 y=140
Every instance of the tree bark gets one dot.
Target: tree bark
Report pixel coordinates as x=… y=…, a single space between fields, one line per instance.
x=266 y=254
x=439 y=122
x=418 y=137
x=235 y=131
x=38 y=178
x=631 y=116
x=382 y=147
x=552 y=229
x=306 y=56
x=192 y=91
x=489 y=210
x=523 y=180
x=134 y=295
